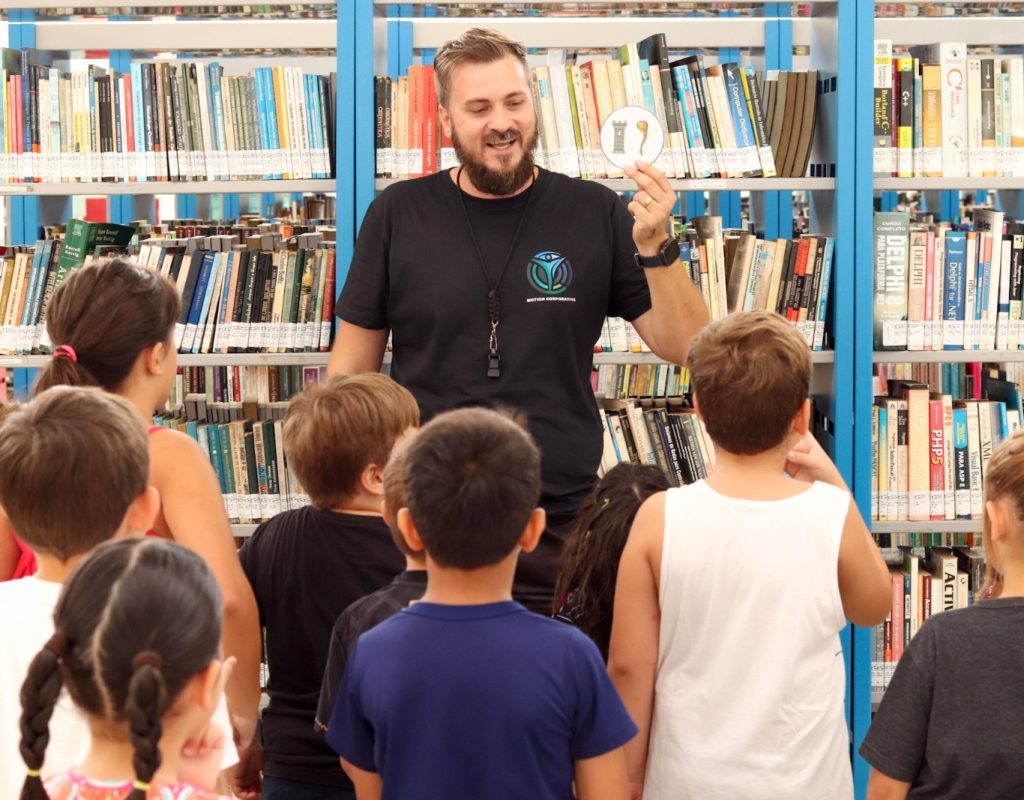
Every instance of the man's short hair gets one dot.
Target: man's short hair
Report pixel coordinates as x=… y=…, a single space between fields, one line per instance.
x=72 y=460
x=751 y=372
x=394 y=496
x=475 y=46
x=335 y=429
x=472 y=479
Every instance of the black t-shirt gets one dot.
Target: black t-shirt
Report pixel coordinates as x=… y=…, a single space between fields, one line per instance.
x=356 y=620
x=415 y=270
x=952 y=720
x=307 y=566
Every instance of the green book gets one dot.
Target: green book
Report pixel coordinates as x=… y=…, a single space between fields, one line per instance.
x=83 y=237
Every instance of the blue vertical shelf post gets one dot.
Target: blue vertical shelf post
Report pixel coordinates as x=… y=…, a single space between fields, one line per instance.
x=863 y=33
x=24 y=210
x=778 y=54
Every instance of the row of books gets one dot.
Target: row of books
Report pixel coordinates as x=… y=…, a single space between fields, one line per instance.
x=930 y=452
x=943 y=288
x=941 y=112
x=926 y=583
x=661 y=433
x=234 y=298
x=249 y=460
x=961 y=381
x=619 y=381
x=176 y=121
x=238 y=299
x=720 y=120
x=226 y=394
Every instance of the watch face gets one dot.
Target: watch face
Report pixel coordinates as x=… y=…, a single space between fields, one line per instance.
x=670 y=252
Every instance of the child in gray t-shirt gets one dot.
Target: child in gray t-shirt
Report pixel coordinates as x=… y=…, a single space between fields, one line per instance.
x=951 y=724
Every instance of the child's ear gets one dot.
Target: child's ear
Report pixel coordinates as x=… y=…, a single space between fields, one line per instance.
x=141 y=513
x=532 y=532
x=371 y=480
x=696 y=407
x=409 y=532
x=153 y=358
x=998 y=519
x=802 y=418
x=208 y=684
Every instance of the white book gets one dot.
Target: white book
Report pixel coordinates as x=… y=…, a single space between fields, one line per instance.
x=563 y=112
x=1014 y=67
x=976 y=158
x=974 y=459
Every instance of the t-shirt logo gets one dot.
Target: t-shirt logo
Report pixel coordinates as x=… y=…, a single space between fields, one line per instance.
x=549 y=273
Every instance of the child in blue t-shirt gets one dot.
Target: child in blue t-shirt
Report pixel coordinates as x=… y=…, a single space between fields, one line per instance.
x=466 y=694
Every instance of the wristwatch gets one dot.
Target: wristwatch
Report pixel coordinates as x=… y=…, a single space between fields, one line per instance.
x=665 y=257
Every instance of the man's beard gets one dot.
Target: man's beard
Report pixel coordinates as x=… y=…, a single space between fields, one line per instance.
x=497 y=182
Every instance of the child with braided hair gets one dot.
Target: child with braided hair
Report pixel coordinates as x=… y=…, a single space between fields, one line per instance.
x=136 y=643
x=585 y=591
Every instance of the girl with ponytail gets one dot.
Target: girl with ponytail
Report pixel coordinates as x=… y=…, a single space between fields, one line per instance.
x=136 y=644
x=112 y=325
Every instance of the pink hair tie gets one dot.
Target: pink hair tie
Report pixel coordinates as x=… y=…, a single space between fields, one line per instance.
x=67 y=351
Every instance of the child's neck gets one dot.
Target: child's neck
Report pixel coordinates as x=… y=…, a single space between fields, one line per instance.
x=413 y=564
x=363 y=504
x=1013 y=579
x=110 y=757
x=757 y=477
x=470 y=587
x=52 y=569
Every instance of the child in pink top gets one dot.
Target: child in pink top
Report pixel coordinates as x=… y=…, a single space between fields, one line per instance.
x=136 y=643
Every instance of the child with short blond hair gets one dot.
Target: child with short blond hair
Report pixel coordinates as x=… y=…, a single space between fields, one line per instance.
x=950 y=722
x=732 y=591
x=307 y=565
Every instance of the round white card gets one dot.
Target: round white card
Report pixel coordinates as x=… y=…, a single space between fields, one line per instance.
x=632 y=134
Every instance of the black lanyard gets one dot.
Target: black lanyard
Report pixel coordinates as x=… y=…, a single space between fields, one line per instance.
x=493 y=296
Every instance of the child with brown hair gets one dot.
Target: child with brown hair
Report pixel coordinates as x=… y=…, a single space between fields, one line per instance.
x=136 y=642
x=465 y=693
x=585 y=590
x=112 y=324
x=406 y=588
x=950 y=722
x=307 y=565
x=732 y=591
x=73 y=473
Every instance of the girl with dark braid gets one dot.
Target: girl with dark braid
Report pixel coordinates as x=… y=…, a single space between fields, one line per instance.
x=136 y=644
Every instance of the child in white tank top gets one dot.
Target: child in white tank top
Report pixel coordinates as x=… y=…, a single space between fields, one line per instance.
x=732 y=591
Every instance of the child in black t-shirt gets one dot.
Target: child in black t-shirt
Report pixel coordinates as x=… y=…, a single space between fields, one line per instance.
x=405 y=589
x=307 y=565
x=950 y=724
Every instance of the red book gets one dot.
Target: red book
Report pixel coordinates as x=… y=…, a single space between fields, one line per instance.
x=129 y=126
x=328 y=313
x=429 y=117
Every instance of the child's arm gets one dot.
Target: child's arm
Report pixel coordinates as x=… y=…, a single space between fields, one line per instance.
x=882 y=787
x=192 y=513
x=368 y=784
x=864 y=583
x=863 y=577
x=602 y=777
x=633 y=653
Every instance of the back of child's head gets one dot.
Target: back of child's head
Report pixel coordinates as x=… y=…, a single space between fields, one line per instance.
x=394 y=497
x=751 y=373
x=1004 y=480
x=335 y=429
x=592 y=551
x=472 y=480
x=101 y=318
x=71 y=462
x=136 y=621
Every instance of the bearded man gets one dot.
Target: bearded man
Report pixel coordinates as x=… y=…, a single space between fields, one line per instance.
x=495 y=277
